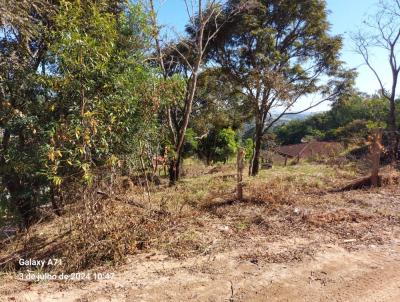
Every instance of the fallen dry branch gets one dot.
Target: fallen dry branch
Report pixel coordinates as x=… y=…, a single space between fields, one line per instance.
x=367 y=182
x=362 y=183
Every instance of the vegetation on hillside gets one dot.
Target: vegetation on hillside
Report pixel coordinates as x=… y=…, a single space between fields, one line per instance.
x=351 y=119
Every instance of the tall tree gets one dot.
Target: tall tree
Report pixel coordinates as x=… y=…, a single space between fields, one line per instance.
x=23 y=43
x=186 y=58
x=277 y=52
x=100 y=85
x=383 y=32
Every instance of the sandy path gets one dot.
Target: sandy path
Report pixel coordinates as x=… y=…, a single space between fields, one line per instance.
x=371 y=274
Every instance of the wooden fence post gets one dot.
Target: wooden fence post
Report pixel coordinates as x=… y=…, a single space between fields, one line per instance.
x=240 y=168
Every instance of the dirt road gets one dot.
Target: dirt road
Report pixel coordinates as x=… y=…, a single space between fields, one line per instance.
x=371 y=274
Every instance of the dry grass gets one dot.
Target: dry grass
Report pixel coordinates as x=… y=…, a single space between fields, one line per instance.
x=83 y=238
x=200 y=215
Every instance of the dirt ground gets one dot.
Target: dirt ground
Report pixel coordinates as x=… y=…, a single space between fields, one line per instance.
x=333 y=274
x=291 y=240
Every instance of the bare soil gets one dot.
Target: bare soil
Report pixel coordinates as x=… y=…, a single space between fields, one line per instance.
x=333 y=274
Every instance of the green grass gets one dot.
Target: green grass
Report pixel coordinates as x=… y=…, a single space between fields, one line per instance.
x=198 y=190
x=308 y=174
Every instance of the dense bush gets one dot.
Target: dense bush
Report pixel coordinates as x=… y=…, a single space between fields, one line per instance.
x=82 y=97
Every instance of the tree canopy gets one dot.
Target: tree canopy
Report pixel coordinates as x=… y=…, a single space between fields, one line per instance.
x=276 y=52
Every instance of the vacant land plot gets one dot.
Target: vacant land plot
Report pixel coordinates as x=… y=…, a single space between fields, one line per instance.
x=292 y=239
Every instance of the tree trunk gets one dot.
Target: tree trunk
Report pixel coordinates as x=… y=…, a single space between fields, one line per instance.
x=392 y=125
x=174 y=169
x=255 y=161
x=23 y=203
x=208 y=159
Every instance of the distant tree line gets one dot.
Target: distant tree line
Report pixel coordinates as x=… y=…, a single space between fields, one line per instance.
x=349 y=119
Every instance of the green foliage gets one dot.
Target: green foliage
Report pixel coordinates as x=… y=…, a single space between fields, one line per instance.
x=275 y=53
x=23 y=123
x=217 y=103
x=248 y=145
x=350 y=118
x=218 y=145
x=82 y=97
x=354 y=129
x=191 y=143
x=272 y=51
x=292 y=132
x=101 y=87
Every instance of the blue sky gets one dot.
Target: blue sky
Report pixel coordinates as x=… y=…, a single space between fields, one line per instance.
x=346 y=16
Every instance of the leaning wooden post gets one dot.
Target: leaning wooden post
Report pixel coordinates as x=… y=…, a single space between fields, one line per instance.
x=375 y=150
x=240 y=168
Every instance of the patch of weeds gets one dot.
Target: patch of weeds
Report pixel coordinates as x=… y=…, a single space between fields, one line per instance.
x=242 y=225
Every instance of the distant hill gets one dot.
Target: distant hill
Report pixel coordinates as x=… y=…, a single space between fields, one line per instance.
x=248 y=128
x=300 y=116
